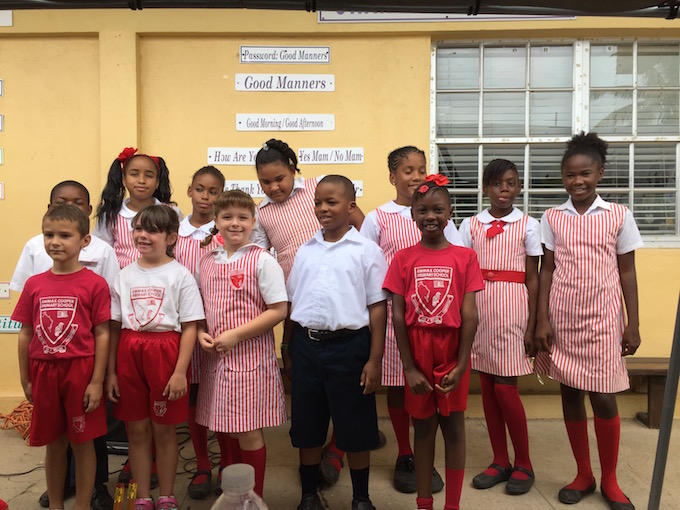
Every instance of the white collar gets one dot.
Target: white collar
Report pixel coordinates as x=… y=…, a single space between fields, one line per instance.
x=393 y=207
x=222 y=255
x=298 y=183
x=186 y=229
x=352 y=235
x=599 y=202
x=128 y=213
x=514 y=215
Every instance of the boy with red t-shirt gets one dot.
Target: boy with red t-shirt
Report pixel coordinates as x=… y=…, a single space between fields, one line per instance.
x=63 y=350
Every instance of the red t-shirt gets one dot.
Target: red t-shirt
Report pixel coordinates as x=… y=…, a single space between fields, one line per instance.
x=433 y=283
x=63 y=310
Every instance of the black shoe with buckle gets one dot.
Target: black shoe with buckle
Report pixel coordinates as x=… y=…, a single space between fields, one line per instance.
x=101 y=499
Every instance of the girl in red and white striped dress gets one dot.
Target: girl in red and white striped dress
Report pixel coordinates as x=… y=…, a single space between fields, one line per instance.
x=285 y=221
x=508 y=245
x=195 y=240
x=589 y=263
x=146 y=179
x=391 y=226
x=244 y=295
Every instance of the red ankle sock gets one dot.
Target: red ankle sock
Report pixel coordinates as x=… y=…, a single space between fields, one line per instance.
x=334 y=449
x=514 y=416
x=494 y=424
x=400 y=422
x=199 y=439
x=425 y=503
x=608 y=433
x=578 y=437
x=454 y=487
x=257 y=459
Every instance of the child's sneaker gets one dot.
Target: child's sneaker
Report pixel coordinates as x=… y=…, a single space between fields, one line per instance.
x=144 y=504
x=167 y=503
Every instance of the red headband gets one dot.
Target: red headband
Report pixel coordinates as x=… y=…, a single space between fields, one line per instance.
x=436 y=179
x=128 y=152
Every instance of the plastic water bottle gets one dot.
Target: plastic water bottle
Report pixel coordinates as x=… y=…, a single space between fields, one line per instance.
x=238 y=481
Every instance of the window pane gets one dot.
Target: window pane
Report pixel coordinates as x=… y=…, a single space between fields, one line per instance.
x=505 y=68
x=616 y=197
x=457 y=114
x=457 y=68
x=551 y=66
x=658 y=112
x=658 y=66
x=655 y=212
x=617 y=168
x=611 y=65
x=514 y=153
x=459 y=163
x=538 y=203
x=549 y=113
x=503 y=113
x=612 y=112
x=545 y=166
x=463 y=206
x=655 y=166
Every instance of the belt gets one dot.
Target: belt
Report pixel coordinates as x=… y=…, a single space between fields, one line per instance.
x=504 y=276
x=321 y=335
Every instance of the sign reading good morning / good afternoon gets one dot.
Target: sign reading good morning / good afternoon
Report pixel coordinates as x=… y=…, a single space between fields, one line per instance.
x=285 y=122
x=285 y=55
x=285 y=82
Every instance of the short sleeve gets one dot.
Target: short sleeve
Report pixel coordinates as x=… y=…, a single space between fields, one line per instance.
x=270 y=280
x=258 y=236
x=23 y=311
x=629 y=237
x=473 y=275
x=101 y=301
x=465 y=234
x=374 y=274
x=370 y=229
x=116 y=312
x=394 y=280
x=533 y=238
x=190 y=302
x=452 y=235
x=547 y=237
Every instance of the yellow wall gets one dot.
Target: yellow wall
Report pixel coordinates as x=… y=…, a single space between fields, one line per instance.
x=81 y=85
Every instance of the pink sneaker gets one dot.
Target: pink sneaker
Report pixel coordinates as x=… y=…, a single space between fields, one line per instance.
x=144 y=504
x=167 y=503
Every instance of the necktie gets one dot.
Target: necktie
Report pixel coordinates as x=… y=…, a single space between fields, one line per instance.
x=495 y=228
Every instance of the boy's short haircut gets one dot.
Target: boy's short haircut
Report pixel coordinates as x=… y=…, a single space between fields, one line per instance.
x=73 y=184
x=343 y=181
x=68 y=212
x=234 y=198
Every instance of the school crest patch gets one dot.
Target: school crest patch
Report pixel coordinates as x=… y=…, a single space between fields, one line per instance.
x=160 y=407
x=237 y=278
x=432 y=298
x=78 y=423
x=146 y=305
x=56 y=329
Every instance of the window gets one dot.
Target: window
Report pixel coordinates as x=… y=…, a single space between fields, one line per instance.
x=523 y=101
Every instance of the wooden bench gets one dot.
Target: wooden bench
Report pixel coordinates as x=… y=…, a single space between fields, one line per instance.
x=655 y=371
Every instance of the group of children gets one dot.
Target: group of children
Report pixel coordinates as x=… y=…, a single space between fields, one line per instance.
x=400 y=299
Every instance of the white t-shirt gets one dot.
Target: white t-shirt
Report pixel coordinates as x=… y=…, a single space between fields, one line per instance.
x=331 y=285
x=533 y=237
x=629 y=237
x=98 y=256
x=155 y=299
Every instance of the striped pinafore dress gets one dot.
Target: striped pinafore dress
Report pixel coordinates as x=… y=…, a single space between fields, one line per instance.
x=503 y=305
x=242 y=390
x=586 y=306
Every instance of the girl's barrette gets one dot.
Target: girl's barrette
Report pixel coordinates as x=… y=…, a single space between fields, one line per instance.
x=438 y=179
x=128 y=152
x=265 y=147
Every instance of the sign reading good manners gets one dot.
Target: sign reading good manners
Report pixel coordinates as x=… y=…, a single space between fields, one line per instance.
x=285 y=122
x=285 y=82
x=285 y=55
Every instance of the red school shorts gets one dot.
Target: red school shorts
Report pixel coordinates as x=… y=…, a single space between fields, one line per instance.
x=145 y=361
x=58 y=388
x=435 y=354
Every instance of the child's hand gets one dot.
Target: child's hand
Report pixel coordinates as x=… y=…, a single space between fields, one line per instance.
x=370 y=376
x=631 y=340
x=417 y=381
x=450 y=381
x=112 y=390
x=226 y=342
x=530 y=344
x=543 y=337
x=28 y=390
x=176 y=387
x=92 y=397
x=206 y=341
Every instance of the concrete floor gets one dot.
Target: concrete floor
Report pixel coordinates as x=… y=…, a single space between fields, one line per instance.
x=22 y=473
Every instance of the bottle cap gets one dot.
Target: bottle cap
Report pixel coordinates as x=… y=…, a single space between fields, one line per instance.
x=238 y=478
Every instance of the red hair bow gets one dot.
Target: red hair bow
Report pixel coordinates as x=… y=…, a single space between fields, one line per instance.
x=423 y=188
x=438 y=179
x=128 y=152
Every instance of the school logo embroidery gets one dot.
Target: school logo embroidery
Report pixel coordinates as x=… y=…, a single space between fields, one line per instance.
x=431 y=298
x=78 y=423
x=56 y=328
x=146 y=306
x=160 y=408
x=237 y=278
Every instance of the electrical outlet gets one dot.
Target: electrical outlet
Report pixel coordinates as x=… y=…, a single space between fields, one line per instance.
x=4 y=290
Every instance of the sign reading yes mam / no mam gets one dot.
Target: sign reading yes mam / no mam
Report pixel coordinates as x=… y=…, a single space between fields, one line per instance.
x=285 y=55
x=285 y=122
x=285 y=82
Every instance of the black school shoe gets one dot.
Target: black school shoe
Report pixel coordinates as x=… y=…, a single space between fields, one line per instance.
x=44 y=500
x=573 y=496
x=101 y=499
x=362 y=505
x=310 y=502
x=484 y=481
x=405 y=476
x=616 y=505
x=517 y=487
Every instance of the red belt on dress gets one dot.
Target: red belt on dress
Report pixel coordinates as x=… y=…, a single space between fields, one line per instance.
x=504 y=276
